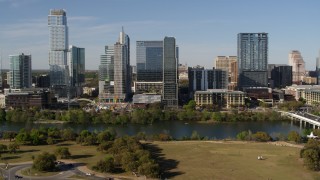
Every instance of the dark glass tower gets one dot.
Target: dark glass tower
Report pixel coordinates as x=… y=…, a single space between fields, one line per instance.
x=170 y=73
x=252 y=60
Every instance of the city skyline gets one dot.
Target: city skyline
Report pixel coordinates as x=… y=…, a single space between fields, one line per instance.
x=203 y=31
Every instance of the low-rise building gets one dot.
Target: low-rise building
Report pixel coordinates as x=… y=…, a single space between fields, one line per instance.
x=299 y=90
x=220 y=97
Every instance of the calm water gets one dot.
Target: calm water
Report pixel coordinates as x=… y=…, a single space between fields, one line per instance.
x=176 y=129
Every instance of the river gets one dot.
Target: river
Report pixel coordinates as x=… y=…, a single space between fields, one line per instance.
x=177 y=129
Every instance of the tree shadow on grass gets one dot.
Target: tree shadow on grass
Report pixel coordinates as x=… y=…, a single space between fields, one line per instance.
x=167 y=166
x=10 y=157
x=64 y=144
x=27 y=151
x=81 y=156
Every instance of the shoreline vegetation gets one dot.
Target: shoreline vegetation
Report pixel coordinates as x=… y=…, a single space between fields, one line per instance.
x=136 y=116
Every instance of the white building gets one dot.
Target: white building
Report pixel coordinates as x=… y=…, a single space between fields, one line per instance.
x=298 y=66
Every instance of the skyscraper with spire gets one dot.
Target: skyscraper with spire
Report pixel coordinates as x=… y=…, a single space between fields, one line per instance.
x=122 y=70
x=58 y=47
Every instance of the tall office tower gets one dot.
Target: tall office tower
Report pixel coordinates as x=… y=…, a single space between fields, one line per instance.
x=298 y=66
x=58 y=47
x=280 y=75
x=122 y=72
x=20 y=71
x=106 y=75
x=170 y=73
x=76 y=60
x=252 y=60
x=201 y=79
x=229 y=64
x=149 y=61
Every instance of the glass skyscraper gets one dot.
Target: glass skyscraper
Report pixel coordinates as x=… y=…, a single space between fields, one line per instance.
x=253 y=60
x=76 y=66
x=170 y=73
x=20 y=71
x=122 y=69
x=149 y=61
x=58 y=47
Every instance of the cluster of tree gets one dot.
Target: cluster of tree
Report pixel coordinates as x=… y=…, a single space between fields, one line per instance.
x=45 y=162
x=311 y=154
x=291 y=105
x=11 y=148
x=44 y=136
x=126 y=154
x=258 y=136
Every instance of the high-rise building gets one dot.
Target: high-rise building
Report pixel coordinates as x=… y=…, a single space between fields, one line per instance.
x=170 y=73
x=201 y=79
x=76 y=60
x=280 y=75
x=149 y=61
x=106 y=75
x=318 y=69
x=20 y=71
x=58 y=47
x=298 y=66
x=122 y=69
x=228 y=64
x=252 y=60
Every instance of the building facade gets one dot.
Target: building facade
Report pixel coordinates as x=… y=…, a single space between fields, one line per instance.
x=149 y=57
x=201 y=79
x=76 y=59
x=252 y=60
x=122 y=69
x=220 y=97
x=58 y=47
x=298 y=67
x=280 y=75
x=230 y=65
x=170 y=73
x=20 y=71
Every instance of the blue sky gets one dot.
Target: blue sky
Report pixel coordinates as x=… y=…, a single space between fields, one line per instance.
x=203 y=29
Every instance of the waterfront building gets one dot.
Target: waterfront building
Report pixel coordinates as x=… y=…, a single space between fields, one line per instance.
x=298 y=91
x=298 y=66
x=280 y=75
x=220 y=97
x=201 y=79
x=170 y=73
x=76 y=65
x=252 y=60
x=58 y=47
x=20 y=71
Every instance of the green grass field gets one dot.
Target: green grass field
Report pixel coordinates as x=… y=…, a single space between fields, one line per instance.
x=82 y=154
x=231 y=160
x=198 y=159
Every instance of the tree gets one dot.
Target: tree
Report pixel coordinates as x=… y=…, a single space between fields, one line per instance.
x=68 y=134
x=22 y=137
x=244 y=135
x=294 y=136
x=9 y=135
x=312 y=159
x=261 y=136
x=3 y=148
x=44 y=162
x=105 y=165
x=150 y=169
x=195 y=136
x=13 y=147
x=63 y=152
x=106 y=135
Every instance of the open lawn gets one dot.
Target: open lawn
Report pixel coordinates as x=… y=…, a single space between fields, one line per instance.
x=230 y=160
x=81 y=154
